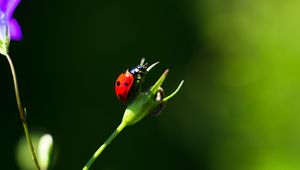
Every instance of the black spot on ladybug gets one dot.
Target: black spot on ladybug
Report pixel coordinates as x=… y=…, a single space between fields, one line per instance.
x=126 y=84
x=118 y=83
x=120 y=96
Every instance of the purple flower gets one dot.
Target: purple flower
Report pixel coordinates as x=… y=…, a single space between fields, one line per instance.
x=8 y=24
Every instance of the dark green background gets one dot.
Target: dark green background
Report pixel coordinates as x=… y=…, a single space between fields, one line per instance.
x=238 y=109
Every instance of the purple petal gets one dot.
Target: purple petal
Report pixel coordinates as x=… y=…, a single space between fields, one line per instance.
x=11 y=6
x=3 y=5
x=15 y=31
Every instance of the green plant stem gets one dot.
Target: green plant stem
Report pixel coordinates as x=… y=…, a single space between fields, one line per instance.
x=22 y=112
x=104 y=145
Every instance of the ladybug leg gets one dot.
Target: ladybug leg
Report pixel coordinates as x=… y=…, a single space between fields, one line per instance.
x=139 y=77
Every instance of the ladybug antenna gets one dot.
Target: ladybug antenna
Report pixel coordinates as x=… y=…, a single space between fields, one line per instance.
x=142 y=61
x=150 y=67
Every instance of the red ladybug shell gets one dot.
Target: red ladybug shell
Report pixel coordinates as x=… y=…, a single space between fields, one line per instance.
x=123 y=86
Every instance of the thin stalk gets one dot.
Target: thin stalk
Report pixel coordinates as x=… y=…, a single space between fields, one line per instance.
x=22 y=112
x=103 y=146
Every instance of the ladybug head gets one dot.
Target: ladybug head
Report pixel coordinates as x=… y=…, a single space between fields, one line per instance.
x=140 y=70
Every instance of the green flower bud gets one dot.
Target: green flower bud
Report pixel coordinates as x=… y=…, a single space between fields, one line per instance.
x=147 y=102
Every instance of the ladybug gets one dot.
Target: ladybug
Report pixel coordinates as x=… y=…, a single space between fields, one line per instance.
x=127 y=82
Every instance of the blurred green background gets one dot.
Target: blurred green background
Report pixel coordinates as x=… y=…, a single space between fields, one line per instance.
x=238 y=109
